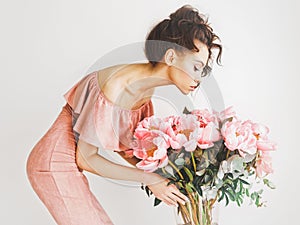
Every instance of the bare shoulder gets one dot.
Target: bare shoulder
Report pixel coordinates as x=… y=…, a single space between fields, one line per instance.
x=121 y=84
x=106 y=74
x=111 y=81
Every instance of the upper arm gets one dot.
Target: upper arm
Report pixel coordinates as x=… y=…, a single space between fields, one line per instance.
x=84 y=152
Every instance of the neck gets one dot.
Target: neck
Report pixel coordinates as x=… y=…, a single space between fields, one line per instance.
x=149 y=77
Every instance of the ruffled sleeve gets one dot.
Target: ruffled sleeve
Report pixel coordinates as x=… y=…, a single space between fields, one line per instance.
x=98 y=121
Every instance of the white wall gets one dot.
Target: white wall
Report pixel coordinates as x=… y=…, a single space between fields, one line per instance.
x=46 y=46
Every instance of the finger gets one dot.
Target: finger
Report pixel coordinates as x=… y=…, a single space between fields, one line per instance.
x=179 y=194
x=175 y=198
x=182 y=196
x=169 y=201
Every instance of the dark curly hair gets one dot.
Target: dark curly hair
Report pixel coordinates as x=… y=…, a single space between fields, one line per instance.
x=179 y=32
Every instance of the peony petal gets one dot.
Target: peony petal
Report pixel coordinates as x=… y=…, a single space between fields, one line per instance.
x=160 y=153
x=206 y=145
x=266 y=145
x=139 y=153
x=147 y=165
x=190 y=146
x=163 y=162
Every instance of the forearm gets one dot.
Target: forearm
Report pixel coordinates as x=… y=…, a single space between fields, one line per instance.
x=131 y=160
x=99 y=165
x=88 y=159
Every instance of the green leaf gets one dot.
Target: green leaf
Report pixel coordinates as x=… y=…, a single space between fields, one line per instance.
x=165 y=174
x=247 y=192
x=180 y=184
x=186 y=111
x=227 y=200
x=241 y=199
x=260 y=192
x=188 y=172
x=257 y=202
x=179 y=161
x=235 y=183
x=199 y=190
x=238 y=202
x=222 y=196
x=253 y=196
x=190 y=188
x=229 y=185
x=231 y=195
x=269 y=183
x=243 y=181
x=207 y=178
x=148 y=192
x=156 y=201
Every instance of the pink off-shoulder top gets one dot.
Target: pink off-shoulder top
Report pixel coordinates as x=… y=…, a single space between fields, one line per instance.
x=98 y=121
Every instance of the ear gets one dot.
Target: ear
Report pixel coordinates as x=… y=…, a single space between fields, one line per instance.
x=170 y=56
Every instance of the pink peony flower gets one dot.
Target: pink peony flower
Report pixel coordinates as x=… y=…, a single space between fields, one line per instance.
x=153 y=152
x=208 y=135
x=153 y=159
x=147 y=128
x=239 y=136
x=263 y=143
x=151 y=144
x=208 y=132
x=180 y=129
x=190 y=144
x=263 y=164
x=227 y=113
x=205 y=117
x=260 y=130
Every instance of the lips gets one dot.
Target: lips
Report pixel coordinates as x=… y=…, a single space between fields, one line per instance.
x=192 y=88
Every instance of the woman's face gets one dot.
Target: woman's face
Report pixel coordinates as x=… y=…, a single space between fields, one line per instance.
x=186 y=68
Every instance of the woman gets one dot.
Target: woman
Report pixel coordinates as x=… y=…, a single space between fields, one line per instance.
x=102 y=111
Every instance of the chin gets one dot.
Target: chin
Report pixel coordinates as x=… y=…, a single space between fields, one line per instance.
x=185 y=92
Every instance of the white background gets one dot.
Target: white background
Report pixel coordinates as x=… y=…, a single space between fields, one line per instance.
x=46 y=46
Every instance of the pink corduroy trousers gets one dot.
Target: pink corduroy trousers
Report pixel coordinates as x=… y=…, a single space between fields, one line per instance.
x=58 y=182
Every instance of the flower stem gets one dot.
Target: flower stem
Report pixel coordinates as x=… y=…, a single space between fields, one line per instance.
x=176 y=169
x=193 y=207
x=184 y=213
x=193 y=161
x=227 y=154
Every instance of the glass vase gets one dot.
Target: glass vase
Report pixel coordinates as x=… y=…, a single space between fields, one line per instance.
x=195 y=212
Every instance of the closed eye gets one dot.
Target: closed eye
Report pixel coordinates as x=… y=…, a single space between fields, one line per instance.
x=197 y=68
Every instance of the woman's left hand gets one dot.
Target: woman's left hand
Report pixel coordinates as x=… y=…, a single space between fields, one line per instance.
x=168 y=194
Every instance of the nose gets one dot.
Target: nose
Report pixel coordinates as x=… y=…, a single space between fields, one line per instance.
x=197 y=78
x=197 y=82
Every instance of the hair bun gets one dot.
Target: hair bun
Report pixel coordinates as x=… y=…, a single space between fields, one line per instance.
x=188 y=14
x=179 y=33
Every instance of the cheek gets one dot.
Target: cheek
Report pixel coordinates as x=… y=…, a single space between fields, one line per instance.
x=184 y=67
x=186 y=70
x=180 y=73
x=185 y=75
x=182 y=78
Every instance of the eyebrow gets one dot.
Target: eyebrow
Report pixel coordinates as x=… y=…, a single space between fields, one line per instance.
x=200 y=61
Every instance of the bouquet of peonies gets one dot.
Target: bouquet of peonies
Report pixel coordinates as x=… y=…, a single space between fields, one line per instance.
x=208 y=156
